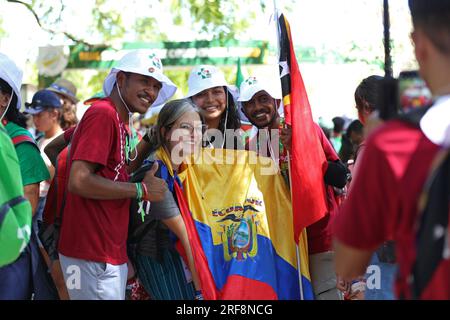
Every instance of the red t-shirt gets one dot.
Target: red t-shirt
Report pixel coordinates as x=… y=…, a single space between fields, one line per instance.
x=319 y=233
x=96 y=230
x=382 y=202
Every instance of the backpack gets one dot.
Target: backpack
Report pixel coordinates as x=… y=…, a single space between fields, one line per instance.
x=386 y=252
x=49 y=231
x=53 y=211
x=15 y=210
x=54 y=207
x=432 y=234
x=432 y=225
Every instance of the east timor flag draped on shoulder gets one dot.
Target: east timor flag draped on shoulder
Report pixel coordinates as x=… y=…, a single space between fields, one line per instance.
x=308 y=162
x=240 y=221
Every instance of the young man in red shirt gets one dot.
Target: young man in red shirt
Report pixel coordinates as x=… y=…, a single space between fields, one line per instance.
x=103 y=152
x=383 y=202
x=259 y=104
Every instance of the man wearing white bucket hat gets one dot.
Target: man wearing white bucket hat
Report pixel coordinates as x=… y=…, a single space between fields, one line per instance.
x=259 y=103
x=209 y=90
x=103 y=152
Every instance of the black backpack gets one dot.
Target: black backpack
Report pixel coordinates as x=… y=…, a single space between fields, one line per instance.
x=432 y=224
x=433 y=215
x=386 y=253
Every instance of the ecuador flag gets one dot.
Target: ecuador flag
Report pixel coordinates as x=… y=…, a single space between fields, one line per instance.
x=241 y=214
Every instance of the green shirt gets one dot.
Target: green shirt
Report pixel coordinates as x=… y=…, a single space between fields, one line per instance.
x=32 y=166
x=336 y=143
x=15 y=210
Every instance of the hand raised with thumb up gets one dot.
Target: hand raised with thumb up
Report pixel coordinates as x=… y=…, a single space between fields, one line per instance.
x=156 y=187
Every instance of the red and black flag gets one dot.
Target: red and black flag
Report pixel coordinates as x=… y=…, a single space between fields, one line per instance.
x=308 y=163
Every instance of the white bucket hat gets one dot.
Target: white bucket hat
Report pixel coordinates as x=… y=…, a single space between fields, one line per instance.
x=12 y=75
x=147 y=63
x=205 y=77
x=252 y=85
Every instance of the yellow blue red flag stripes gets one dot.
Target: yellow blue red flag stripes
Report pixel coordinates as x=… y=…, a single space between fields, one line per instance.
x=308 y=164
x=243 y=218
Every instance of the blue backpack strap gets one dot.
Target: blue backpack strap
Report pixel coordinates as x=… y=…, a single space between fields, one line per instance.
x=4 y=208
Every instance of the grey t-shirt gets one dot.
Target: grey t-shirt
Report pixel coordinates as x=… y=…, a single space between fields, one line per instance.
x=165 y=209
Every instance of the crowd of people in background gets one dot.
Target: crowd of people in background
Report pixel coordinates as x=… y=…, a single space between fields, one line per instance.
x=73 y=191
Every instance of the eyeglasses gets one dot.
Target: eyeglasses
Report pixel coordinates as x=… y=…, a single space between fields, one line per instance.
x=191 y=129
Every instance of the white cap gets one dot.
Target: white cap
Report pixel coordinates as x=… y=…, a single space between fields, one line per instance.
x=205 y=77
x=252 y=85
x=12 y=75
x=144 y=62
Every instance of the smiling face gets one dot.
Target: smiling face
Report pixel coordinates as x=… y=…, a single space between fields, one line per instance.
x=184 y=137
x=260 y=109
x=212 y=103
x=138 y=91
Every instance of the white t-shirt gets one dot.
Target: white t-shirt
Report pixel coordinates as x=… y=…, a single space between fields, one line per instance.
x=42 y=143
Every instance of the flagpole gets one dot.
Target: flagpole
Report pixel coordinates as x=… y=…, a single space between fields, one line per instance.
x=297 y=251
x=275 y=18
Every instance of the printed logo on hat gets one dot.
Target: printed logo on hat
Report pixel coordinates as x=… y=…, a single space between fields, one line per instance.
x=155 y=61
x=204 y=73
x=251 y=81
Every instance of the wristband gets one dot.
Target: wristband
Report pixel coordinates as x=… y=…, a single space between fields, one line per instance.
x=138 y=191
x=144 y=191
x=140 y=202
